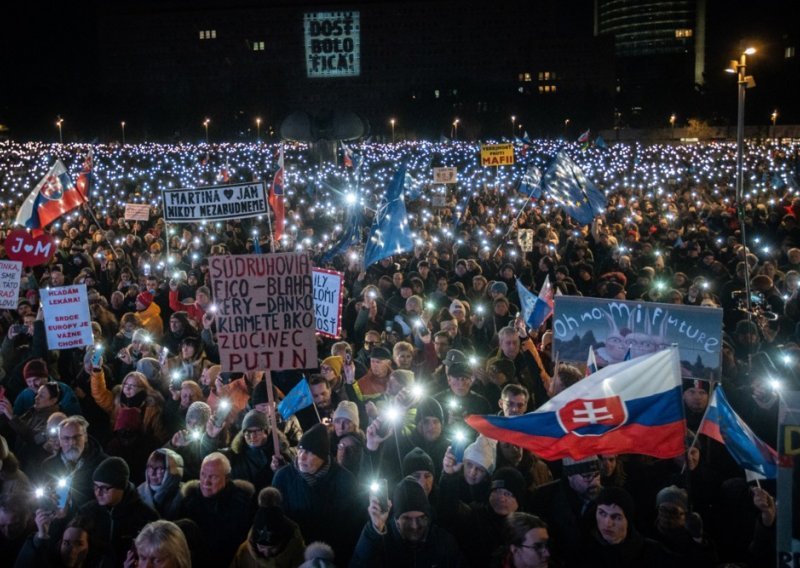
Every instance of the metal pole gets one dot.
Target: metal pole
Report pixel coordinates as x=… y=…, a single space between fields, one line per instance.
x=742 y=85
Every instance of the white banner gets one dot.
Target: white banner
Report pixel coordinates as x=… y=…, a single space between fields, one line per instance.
x=66 y=317
x=788 y=538
x=10 y=275
x=328 y=293
x=444 y=175
x=212 y=203
x=137 y=211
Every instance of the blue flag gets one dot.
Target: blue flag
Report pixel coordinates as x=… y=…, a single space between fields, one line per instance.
x=566 y=183
x=527 y=301
x=531 y=184
x=350 y=238
x=390 y=233
x=297 y=399
x=600 y=142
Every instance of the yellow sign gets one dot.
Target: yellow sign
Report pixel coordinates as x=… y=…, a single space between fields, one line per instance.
x=497 y=155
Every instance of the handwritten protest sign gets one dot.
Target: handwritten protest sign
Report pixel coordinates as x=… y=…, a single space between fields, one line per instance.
x=10 y=274
x=66 y=317
x=328 y=292
x=265 y=311
x=445 y=175
x=137 y=211
x=620 y=329
x=189 y=205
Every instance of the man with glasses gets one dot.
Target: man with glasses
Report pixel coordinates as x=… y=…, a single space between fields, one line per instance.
x=76 y=460
x=117 y=513
x=410 y=538
x=568 y=505
x=251 y=451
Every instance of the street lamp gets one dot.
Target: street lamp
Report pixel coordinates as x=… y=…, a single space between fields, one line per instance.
x=123 y=132
x=59 y=122
x=744 y=82
x=258 y=129
x=513 y=120
x=774 y=117
x=392 y=122
x=205 y=123
x=566 y=125
x=455 y=129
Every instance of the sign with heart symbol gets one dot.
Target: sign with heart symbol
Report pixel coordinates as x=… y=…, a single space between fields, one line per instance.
x=29 y=250
x=228 y=193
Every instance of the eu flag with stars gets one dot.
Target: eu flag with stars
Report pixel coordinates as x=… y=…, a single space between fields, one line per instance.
x=298 y=398
x=390 y=233
x=566 y=184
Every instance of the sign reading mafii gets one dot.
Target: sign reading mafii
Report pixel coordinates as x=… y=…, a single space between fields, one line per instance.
x=215 y=203
x=265 y=311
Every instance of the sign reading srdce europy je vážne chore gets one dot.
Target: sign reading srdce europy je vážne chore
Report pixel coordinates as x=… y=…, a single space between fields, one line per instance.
x=214 y=203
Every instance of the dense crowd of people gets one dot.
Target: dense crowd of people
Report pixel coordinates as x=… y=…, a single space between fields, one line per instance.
x=141 y=451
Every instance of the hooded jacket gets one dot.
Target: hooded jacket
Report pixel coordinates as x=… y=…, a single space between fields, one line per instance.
x=253 y=464
x=166 y=499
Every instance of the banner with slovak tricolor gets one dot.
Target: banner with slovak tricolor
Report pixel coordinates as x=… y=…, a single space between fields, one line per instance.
x=631 y=407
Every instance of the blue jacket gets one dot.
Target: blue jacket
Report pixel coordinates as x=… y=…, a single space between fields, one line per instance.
x=68 y=403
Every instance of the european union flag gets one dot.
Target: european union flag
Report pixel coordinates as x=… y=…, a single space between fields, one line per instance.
x=566 y=183
x=527 y=301
x=350 y=238
x=390 y=233
x=297 y=399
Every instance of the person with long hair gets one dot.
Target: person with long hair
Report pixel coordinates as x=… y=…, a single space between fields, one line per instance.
x=160 y=543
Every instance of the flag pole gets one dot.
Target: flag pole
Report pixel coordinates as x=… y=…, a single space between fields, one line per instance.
x=314 y=404
x=273 y=420
x=271 y=236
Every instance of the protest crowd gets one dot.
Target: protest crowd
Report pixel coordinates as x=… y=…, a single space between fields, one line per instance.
x=141 y=450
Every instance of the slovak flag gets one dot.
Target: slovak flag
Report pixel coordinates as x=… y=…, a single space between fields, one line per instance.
x=721 y=423
x=276 y=197
x=52 y=197
x=85 y=177
x=584 y=138
x=348 y=156
x=591 y=362
x=633 y=407
x=543 y=308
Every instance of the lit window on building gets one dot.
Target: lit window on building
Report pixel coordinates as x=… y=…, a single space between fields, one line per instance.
x=788 y=53
x=436 y=93
x=258 y=46
x=208 y=34
x=684 y=32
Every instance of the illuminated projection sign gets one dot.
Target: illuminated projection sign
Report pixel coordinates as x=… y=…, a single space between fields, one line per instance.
x=333 y=44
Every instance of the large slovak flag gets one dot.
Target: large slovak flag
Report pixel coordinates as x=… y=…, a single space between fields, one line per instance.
x=54 y=196
x=633 y=407
x=276 y=197
x=721 y=423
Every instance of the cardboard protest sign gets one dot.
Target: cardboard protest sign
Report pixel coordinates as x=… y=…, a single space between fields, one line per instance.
x=10 y=275
x=493 y=155
x=212 y=203
x=614 y=328
x=328 y=294
x=265 y=311
x=525 y=239
x=444 y=175
x=66 y=317
x=137 y=211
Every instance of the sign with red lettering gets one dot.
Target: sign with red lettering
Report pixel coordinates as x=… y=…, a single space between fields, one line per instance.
x=66 y=317
x=265 y=311
x=31 y=251
x=10 y=274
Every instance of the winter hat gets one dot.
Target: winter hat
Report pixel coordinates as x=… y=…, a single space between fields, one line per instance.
x=499 y=288
x=347 y=409
x=619 y=497
x=172 y=459
x=504 y=366
x=459 y=370
x=145 y=298
x=674 y=495
x=317 y=441
x=482 y=452
x=696 y=384
x=271 y=527
x=380 y=353
x=318 y=555
x=417 y=460
x=588 y=464
x=745 y=326
x=199 y=412
x=259 y=395
x=454 y=356
x=510 y=479
x=141 y=336
x=457 y=305
x=429 y=407
x=255 y=419
x=336 y=363
x=114 y=472
x=35 y=368
x=409 y=496
x=613 y=289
